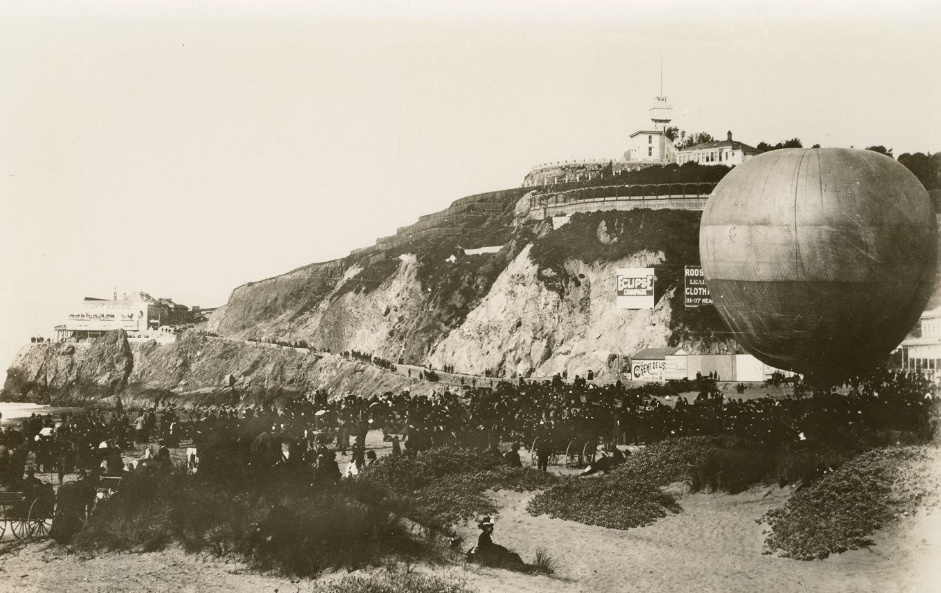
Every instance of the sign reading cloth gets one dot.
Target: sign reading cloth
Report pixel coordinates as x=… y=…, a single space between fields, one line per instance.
x=696 y=291
x=635 y=288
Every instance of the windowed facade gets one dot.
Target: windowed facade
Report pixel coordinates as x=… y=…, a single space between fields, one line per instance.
x=713 y=155
x=657 y=148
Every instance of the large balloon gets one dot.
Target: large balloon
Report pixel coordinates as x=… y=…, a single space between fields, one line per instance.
x=819 y=260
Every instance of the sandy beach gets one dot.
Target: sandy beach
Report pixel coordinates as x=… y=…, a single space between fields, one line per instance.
x=715 y=545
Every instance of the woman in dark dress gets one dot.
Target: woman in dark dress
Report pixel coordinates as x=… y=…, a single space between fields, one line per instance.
x=491 y=554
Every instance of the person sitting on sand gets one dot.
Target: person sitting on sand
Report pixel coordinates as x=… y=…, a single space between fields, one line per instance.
x=610 y=458
x=512 y=457
x=617 y=457
x=491 y=554
x=31 y=485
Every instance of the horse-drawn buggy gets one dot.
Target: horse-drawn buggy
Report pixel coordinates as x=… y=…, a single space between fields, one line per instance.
x=567 y=448
x=556 y=435
x=27 y=514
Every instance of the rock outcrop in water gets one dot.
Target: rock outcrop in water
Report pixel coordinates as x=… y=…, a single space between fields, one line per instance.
x=195 y=368
x=84 y=371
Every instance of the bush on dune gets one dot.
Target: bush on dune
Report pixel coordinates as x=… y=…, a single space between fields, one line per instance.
x=618 y=501
x=294 y=530
x=407 y=473
x=844 y=508
x=671 y=460
x=393 y=582
x=631 y=495
x=279 y=524
x=440 y=487
x=731 y=464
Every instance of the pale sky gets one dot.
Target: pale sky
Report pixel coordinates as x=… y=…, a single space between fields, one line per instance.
x=184 y=148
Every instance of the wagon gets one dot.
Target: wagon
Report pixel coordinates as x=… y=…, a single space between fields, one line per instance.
x=573 y=451
x=27 y=515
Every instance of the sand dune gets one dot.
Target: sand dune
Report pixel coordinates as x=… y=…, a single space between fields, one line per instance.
x=714 y=545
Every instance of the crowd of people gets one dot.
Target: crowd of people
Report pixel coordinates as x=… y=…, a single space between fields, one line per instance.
x=365 y=357
x=303 y=436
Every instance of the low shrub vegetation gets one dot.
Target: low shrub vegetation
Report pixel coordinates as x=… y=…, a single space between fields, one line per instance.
x=279 y=524
x=543 y=562
x=393 y=582
x=631 y=495
x=281 y=527
x=444 y=486
x=618 y=500
x=841 y=510
x=731 y=464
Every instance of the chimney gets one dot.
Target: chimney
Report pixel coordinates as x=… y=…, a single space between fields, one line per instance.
x=730 y=135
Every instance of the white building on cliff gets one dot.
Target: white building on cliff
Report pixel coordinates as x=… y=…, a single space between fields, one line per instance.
x=652 y=145
x=727 y=152
x=134 y=313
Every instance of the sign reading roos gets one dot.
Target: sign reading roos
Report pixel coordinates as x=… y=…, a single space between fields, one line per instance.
x=635 y=288
x=696 y=292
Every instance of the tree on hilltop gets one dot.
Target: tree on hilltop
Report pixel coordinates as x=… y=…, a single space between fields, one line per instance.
x=881 y=150
x=926 y=167
x=792 y=143
x=689 y=140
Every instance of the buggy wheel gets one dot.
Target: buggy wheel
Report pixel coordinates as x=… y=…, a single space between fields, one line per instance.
x=40 y=519
x=20 y=528
x=571 y=455
x=3 y=521
x=588 y=452
x=532 y=453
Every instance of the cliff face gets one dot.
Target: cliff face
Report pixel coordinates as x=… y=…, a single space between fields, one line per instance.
x=199 y=365
x=195 y=368
x=540 y=302
x=84 y=371
x=509 y=296
x=524 y=328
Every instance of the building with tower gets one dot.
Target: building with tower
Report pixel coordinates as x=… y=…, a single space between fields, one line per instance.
x=651 y=145
x=134 y=313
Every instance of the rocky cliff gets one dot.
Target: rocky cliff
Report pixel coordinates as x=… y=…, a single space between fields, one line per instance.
x=505 y=296
x=538 y=302
x=194 y=369
x=81 y=371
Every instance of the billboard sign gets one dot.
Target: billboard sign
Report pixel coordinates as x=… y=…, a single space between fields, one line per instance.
x=647 y=370
x=695 y=290
x=635 y=288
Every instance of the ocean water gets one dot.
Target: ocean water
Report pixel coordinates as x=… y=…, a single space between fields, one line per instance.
x=14 y=412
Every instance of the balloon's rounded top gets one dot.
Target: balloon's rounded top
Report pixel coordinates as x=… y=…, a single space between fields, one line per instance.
x=819 y=260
